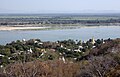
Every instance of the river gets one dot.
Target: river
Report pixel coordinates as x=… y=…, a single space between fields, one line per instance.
x=83 y=34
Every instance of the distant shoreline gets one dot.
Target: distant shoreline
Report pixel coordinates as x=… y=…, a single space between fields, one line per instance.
x=10 y=28
x=4 y=28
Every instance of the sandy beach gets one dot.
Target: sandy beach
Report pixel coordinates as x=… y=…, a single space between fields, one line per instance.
x=21 y=28
x=3 y=28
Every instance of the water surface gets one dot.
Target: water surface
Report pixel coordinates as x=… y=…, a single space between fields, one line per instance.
x=54 y=35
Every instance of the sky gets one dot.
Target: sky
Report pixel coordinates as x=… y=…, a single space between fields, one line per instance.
x=59 y=6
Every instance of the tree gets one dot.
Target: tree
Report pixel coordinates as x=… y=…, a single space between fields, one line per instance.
x=98 y=66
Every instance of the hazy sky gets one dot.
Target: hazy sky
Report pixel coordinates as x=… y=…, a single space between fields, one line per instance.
x=60 y=6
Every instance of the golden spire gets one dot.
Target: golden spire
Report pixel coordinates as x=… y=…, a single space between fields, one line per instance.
x=93 y=41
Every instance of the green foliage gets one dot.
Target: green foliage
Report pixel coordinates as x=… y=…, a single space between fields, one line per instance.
x=98 y=61
x=4 y=60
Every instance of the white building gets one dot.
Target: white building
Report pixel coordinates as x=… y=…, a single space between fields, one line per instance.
x=69 y=49
x=30 y=50
x=61 y=46
x=42 y=54
x=93 y=46
x=81 y=47
x=40 y=43
x=63 y=59
x=1 y=66
x=2 y=55
x=23 y=40
x=77 y=50
x=35 y=41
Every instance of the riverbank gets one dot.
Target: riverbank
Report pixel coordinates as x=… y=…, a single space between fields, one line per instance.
x=9 y=28
x=2 y=28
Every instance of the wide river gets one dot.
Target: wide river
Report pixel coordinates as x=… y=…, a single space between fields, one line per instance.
x=54 y=35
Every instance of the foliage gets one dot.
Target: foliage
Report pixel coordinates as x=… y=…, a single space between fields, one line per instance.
x=45 y=59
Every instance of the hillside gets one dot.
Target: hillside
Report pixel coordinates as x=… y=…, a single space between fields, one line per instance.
x=34 y=58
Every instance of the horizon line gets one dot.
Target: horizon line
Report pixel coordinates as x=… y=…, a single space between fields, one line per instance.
x=64 y=13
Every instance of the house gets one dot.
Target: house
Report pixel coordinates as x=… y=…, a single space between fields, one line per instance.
x=80 y=47
x=42 y=54
x=77 y=50
x=1 y=66
x=75 y=58
x=93 y=46
x=40 y=43
x=30 y=50
x=23 y=40
x=63 y=59
x=103 y=41
x=43 y=50
x=69 y=49
x=9 y=58
x=61 y=46
x=2 y=55
x=60 y=53
x=57 y=42
x=21 y=51
x=35 y=41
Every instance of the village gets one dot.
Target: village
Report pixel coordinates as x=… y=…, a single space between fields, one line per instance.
x=29 y=50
